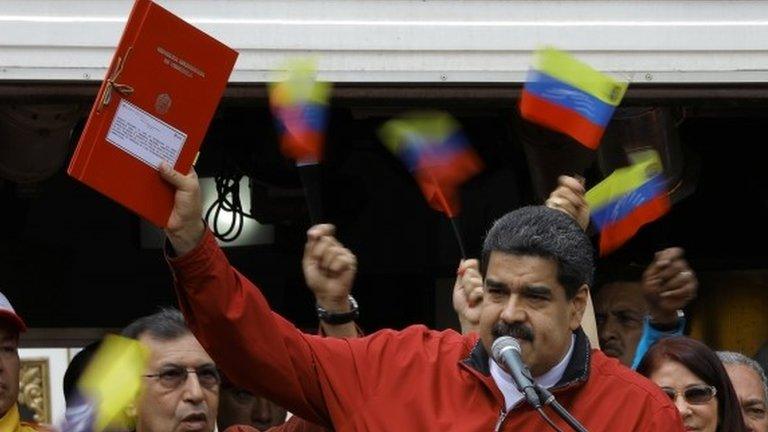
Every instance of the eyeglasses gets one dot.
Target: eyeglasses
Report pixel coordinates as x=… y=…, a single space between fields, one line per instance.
x=173 y=377
x=698 y=394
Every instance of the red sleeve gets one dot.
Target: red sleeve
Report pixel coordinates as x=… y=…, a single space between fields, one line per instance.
x=254 y=347
x=297 y=424
x=666 y=419
x=321 y=331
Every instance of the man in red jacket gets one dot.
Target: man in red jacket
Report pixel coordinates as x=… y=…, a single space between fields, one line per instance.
x=537 y=266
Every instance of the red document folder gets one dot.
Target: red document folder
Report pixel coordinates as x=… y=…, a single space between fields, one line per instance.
x=156 y=103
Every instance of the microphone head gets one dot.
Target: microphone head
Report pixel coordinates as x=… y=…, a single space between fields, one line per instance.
x=501 y=344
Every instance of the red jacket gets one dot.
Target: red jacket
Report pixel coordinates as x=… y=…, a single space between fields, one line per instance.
x=296 y=424
x=410 y=380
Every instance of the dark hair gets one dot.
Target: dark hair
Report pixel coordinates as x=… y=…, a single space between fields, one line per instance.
x=623 y=265
x=547 y=233
x=704 y=363
x=608 y=273
x=75 y=370
x=167 y=324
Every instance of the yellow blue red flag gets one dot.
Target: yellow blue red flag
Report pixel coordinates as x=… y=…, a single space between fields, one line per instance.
x=628 y=199
x=299 y=103
x=108 y=386
x=568 y=96
x=434 y=149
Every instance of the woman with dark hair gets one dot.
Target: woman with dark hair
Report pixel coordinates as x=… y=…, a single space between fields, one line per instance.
x=694 y=378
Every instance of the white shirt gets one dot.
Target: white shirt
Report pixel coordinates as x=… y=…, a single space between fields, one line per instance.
x=547 y=380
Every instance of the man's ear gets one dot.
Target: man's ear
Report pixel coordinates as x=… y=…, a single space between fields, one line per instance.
x=578 y=306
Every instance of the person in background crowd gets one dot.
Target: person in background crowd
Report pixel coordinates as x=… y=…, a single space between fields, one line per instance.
x=181 y=392
x=75 y=370
x=693 y=377
x=11 y=325
x=751 y=387
x=632 y=313
x=242 y=408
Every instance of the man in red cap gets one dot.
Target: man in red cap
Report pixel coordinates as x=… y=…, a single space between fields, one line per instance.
x=11 y=325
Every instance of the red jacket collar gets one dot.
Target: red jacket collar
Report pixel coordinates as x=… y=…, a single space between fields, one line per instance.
x=576 y=373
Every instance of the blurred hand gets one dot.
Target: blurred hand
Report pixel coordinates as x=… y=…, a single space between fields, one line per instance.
x=185 y=227
x=669 y=284
x=568 y=197
x=468 y=295
x=329 y=268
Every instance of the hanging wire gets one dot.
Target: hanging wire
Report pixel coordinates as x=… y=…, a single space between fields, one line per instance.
x=227 y=209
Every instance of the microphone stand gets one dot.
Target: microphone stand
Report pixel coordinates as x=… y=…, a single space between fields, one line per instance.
x=549 y=400
x=506 y=353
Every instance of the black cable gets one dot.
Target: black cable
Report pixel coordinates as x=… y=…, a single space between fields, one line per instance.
x=227 y=200
x=548 y=420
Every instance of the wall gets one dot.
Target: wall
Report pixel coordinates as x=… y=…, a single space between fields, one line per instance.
x=411 y=41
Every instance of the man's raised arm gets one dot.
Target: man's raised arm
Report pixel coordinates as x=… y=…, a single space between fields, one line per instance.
x=255 y=347
x=329 y=270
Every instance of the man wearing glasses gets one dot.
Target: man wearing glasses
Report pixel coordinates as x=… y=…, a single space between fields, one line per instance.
x=181 y=391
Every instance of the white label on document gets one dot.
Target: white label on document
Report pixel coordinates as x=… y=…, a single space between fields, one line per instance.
x=145 y=136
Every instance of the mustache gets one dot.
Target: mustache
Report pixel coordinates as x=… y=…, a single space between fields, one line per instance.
x=611 y=344
x=516 y=330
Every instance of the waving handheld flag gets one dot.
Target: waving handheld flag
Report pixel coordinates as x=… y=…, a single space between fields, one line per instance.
x=299 y=104
x=109 y=385
x=628 y=199
x=435 y=151
x=568 y=96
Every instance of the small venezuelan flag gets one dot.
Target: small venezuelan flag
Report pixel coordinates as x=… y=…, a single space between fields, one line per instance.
x=628 y=199
x=108 y=386
x=300 y=105
x=433 y=148
x=568 y=96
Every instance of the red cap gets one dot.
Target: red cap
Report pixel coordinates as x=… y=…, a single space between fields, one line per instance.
x=9 y=315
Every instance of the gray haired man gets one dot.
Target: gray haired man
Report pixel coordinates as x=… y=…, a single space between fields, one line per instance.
x=181 y=392
x=751 y=387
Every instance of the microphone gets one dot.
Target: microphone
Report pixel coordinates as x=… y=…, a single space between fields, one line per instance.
x=506 y=353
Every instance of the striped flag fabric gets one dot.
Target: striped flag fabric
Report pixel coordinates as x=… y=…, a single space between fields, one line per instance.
x=435 y=150
x=628 y=199
x=299 y=104
x=569 y=96
x=110 y=383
